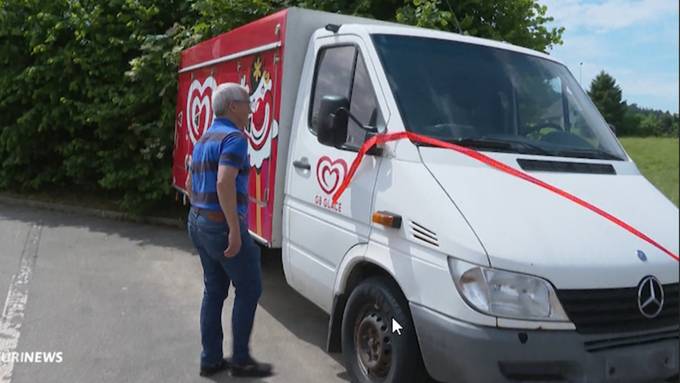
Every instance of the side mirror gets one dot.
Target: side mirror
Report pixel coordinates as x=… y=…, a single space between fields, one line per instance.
x=332 y=130
x=612 y=127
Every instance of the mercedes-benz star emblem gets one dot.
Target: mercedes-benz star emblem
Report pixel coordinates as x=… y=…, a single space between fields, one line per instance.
x=650 y=297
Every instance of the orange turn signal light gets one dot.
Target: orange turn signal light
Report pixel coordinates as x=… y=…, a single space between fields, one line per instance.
x=386 y=218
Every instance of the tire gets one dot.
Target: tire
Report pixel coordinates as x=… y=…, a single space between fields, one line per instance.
x=372 y=352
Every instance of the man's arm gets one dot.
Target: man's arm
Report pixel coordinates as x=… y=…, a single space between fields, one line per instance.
x=187 y=186
x=226 y=194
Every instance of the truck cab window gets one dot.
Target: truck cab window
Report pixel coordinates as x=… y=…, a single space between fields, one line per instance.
x=363 y=105
x=540 y=105
x=531 y=103
x=333 y=76
x=341 y=71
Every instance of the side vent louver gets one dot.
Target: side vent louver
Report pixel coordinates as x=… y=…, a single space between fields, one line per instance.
x=423 y=234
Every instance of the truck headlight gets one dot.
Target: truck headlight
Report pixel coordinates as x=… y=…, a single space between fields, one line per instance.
x=506 y=294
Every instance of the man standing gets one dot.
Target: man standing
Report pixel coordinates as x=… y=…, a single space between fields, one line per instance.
x=218 y=227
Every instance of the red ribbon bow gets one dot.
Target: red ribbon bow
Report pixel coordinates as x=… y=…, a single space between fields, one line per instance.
x=383 y=138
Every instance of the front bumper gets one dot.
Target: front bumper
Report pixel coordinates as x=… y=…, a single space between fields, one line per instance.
x=458 y=351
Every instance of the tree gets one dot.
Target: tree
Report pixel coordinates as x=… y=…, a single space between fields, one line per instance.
x=648 y=125
x=72 y=117
x=631 y=123
x=666 y=125
x=87 y=88
x=520 y=22
x=642 y=122
x=606 y=95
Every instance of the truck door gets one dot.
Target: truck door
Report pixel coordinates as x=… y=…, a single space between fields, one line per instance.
x=318 y=232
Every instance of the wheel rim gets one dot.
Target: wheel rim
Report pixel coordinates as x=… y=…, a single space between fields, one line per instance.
x=373 y=344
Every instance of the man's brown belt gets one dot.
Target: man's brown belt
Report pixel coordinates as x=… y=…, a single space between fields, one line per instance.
x=215 y=216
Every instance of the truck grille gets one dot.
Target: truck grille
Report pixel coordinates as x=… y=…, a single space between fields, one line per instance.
x=616 y=310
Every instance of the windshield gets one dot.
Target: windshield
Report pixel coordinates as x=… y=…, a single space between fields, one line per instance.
x=493 y=99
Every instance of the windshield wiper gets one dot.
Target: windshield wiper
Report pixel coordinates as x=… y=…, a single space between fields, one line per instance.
x=474 y=143
x=588 y=153
x=532 y=148
x=505 y=144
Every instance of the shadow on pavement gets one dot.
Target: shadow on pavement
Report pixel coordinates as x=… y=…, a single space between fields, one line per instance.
x=225 y=377
x=306 y=321
x=140 y=233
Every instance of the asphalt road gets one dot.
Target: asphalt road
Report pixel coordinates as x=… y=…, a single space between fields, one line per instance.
x=120 y=301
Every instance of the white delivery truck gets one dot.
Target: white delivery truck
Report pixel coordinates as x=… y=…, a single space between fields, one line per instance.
x=528 y=249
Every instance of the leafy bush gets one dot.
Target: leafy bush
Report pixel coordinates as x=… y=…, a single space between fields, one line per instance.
x=87 y=91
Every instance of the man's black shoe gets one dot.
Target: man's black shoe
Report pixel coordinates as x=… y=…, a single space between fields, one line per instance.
x=251 y=369
x=210 y=371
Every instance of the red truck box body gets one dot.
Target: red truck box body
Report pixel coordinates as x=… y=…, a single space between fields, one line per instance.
x=251 y=56
x=267 y=57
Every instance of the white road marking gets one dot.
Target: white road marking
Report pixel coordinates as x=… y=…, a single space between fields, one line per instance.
x=15 y=304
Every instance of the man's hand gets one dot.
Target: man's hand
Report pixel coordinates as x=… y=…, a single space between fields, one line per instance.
x=226 y=194
x=187 y=185
x=234 y=244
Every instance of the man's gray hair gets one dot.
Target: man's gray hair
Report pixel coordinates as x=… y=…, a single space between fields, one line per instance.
x=225 y=94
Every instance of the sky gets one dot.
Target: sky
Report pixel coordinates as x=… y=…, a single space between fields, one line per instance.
x=635 y=41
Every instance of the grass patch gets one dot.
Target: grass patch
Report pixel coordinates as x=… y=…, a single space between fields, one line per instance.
x=657 y=159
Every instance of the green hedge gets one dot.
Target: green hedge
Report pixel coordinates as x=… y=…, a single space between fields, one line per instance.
x=87 y=88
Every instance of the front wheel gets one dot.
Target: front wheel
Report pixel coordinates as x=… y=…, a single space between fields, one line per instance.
x=373 y=352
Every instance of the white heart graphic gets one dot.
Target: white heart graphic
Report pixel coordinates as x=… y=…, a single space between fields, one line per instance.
x=258 y=132
x=260 y=108
x=199 y=102
x=262 y=134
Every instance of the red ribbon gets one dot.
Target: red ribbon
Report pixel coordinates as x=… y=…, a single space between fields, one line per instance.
x=383 y=138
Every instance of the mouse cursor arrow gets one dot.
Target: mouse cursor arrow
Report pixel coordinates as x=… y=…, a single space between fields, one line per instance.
x=396 y=327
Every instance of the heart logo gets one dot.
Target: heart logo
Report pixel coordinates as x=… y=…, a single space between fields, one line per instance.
x=199 y=109
x=330 y=173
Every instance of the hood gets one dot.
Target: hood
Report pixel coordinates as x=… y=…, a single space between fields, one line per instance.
x=528 y=229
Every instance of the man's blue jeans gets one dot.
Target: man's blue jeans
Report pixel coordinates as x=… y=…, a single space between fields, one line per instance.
x=243 y=270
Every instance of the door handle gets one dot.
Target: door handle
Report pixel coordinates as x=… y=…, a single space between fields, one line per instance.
x=302 y=164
